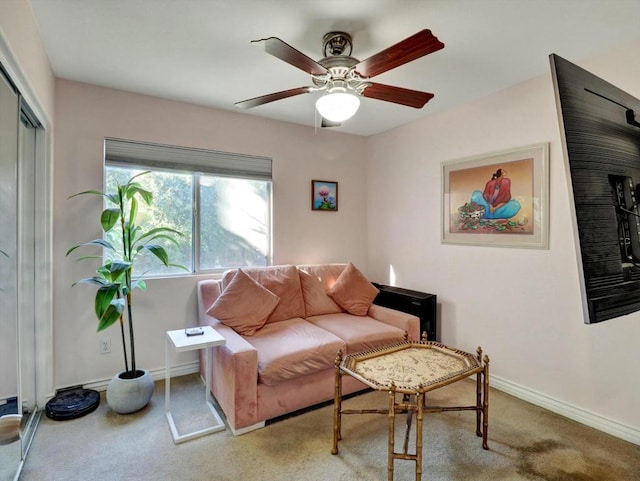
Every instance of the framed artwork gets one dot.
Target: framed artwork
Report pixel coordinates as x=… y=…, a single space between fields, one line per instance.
x=324 y=195
x=497 y=199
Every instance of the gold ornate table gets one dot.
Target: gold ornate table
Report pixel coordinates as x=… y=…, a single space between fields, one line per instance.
x=410 y=370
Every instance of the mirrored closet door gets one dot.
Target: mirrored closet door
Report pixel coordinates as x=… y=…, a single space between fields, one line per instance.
x=18 y=400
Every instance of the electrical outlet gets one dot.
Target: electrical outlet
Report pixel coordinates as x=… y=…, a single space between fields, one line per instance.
x=105 y=346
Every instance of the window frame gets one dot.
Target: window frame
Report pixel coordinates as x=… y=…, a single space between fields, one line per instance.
x=196 y=176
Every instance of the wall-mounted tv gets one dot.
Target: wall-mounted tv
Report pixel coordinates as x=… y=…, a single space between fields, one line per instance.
x=600 y=126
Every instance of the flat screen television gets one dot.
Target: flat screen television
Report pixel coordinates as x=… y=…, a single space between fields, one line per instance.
x=600 y=126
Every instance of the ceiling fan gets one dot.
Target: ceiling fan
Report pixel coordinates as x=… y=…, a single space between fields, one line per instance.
x=344 y=78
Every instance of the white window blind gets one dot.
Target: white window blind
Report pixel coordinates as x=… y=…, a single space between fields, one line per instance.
x=159 y=156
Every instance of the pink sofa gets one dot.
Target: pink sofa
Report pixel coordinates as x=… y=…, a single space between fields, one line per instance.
x=267 y=369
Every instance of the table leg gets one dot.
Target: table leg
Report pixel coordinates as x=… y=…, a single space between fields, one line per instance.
x=167 y=378
x=419 y=417
x=479 y=377
x=207 y=376
x=392 y=430
x=485 y=414
x=208 y=395
x=337 y=405
x=405 y=400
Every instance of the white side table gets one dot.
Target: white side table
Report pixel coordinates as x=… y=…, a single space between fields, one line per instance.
x=181 y=343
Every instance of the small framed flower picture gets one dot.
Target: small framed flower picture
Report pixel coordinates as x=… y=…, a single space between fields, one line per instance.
x=324 y=195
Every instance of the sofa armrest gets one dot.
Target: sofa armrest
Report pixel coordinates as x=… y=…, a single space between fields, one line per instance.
x=407 y=322
x=234 y=376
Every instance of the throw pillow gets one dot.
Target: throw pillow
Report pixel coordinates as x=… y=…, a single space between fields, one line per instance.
x=353 y=291
x=244 y=305
x=316 y=300
x=284 y=282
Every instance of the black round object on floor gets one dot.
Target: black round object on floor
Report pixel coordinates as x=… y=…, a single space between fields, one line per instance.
x=72 y=403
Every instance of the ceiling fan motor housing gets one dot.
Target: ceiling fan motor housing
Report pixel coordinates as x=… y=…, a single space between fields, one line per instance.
x=338 y=61
x=336 y=43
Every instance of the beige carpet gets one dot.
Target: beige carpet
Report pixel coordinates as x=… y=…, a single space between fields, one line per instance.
x=526 y=443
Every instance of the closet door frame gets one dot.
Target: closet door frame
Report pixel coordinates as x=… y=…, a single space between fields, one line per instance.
x=43 y=225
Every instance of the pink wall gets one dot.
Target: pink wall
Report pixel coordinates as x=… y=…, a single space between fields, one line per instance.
x=522 y=306
x=19 y=30
x=86 y=114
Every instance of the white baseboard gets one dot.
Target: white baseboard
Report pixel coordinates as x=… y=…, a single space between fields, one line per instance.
x=596 y=421
x=157 y=374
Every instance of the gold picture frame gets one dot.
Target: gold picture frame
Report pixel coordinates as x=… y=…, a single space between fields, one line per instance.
x=498 y=199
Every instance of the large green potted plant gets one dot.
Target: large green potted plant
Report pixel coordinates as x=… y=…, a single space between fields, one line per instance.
x=131 y=389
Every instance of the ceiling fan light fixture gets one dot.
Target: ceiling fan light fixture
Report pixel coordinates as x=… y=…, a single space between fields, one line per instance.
x=337 y=106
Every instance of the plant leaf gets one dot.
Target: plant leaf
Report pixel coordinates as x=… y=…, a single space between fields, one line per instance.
x=113 y=270
x=133 y=213
x=88 y=257
x=111 y=314
x=95 y=192
x=179 y=266
x=138 y=175
x=96 y=242
x=109 y=218
x=160 y=230
x=113 y=198
x=149 y=245
x=98 y=281
x=104 y=296
x=157 y=251
x=139 y=284
x=135 y=188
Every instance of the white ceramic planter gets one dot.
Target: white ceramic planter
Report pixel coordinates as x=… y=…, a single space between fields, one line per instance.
x=126 y=396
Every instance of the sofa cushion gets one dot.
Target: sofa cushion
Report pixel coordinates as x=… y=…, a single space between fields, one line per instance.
x=353 y=291
x=293 y=348
x=244 y=305
x=360 y=333
x=327 y=273
x=316 y=300
x=284 y=282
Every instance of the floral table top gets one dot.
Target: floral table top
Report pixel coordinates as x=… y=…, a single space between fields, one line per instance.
x=411 y=367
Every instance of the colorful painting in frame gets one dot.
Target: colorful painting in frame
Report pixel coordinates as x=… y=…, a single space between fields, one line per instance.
x=324 y=195
x=497 y=199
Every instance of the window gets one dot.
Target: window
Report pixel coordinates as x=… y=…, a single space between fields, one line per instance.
x=220 y=202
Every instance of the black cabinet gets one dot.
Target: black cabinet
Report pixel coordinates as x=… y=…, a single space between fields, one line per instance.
x=420 y=304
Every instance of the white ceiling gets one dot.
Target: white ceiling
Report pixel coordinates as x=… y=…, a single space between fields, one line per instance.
x=199 y=51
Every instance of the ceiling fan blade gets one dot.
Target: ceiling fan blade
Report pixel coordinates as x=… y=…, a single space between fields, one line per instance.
x=265 y=99
x=329 y=123
x=416 y=46
x=286 y=52
x=397 y=95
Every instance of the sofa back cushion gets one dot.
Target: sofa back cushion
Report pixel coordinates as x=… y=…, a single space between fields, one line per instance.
x=316 y=300
x=244 y=305
x=327 y=273
x=283 y=281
